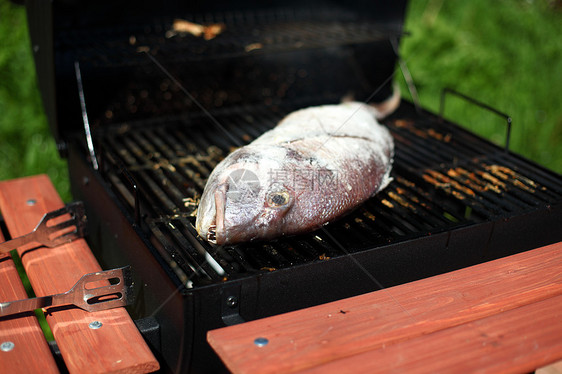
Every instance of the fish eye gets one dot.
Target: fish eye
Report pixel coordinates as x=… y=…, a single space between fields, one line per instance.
x=278 y=198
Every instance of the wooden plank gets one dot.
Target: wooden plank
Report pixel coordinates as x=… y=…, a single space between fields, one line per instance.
x=515 y=341
x=30 y=352
x=314 y=336
x=115 y=347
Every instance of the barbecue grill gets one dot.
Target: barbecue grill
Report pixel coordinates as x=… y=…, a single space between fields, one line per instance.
x=144 y=111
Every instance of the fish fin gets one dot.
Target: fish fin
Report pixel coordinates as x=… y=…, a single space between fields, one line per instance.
x=387 y=107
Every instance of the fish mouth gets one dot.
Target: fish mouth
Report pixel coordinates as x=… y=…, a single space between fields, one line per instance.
x=216 y=231
x=210 y=220
x=221 y=231
x=221 y=220
x=212 y=234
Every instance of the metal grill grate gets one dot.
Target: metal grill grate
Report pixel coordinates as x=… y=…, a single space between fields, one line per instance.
x=444 y=178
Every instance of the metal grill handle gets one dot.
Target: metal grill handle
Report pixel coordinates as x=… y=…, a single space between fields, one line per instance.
x=480 y=104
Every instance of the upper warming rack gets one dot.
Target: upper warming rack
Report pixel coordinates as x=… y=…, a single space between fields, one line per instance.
x=220 y=35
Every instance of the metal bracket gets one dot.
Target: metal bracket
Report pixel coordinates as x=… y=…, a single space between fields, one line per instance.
x=230 y=305
x=480 y=104
x=150 y=331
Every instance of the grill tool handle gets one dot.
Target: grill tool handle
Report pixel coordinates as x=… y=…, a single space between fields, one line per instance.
x=477 y=103
x=52 y=235
x=27 y=305
x=116 y=292
x=20 y=241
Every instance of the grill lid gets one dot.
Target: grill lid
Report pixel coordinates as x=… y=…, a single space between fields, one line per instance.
x=264 y=51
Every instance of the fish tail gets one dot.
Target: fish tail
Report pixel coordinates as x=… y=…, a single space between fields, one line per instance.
x=382 y=109
x=348 y=98
x=388 y=106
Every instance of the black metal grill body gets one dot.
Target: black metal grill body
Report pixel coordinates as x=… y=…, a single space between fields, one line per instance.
x=474 y=204
x=164 y=109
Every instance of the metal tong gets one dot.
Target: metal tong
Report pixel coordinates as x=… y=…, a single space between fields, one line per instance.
x=118 y=292
x=56 y=234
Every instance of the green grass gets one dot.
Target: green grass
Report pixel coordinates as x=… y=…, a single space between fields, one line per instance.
x=26 y=144
x=507 y=54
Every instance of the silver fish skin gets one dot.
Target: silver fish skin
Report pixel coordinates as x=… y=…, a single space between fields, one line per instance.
x=315 y=166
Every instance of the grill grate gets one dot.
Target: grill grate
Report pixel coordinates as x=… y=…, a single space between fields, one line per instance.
x=444 y=178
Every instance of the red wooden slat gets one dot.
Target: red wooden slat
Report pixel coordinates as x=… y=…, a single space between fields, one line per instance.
x=117 y=346
x=30 y=353
x=516 y=341
x=348 y=327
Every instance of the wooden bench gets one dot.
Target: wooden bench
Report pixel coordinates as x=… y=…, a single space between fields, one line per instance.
x=114 y=346
x=500 y=316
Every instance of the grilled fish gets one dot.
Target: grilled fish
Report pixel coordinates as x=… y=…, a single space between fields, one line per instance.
x=315 y=166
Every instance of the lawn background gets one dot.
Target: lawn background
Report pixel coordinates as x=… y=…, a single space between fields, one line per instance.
x=507 y=54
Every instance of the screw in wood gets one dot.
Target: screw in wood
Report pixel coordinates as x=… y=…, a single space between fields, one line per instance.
x=94 y=325
x=260 y=342
x=7 y=346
